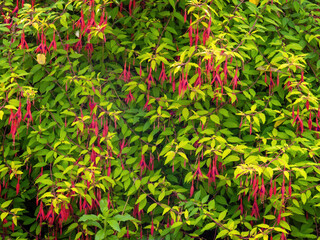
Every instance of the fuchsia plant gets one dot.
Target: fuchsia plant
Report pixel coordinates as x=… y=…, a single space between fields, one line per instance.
x=231 y=116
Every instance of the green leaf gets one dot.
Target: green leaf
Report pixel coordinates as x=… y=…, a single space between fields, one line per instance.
x=100 y=235
x=75 y=55
x=285 y=225
x=6 y=204
x=123 y=218
x=71 y=227
x=208 y=226
x=114 y=224
x=172 y=4
x=222 y=215
x=185 y=113
x=215 y=118
x=151 y=207
x=294 y=46
x=162 y=195
x=222 y=233
x=90 y=217
x=176 y=224
x=141 y=197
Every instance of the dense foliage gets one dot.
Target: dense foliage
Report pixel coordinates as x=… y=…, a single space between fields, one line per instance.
x=159 y=119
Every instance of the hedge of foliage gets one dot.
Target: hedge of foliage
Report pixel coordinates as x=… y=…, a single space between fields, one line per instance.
x=159 y=119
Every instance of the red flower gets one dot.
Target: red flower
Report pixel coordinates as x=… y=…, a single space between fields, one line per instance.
x=129 y=97
x=183 y=84
x=192 y=188
x=163 y=75
x=80 y=23
x=198 y=172
x=41 y=214
x=91 y=23
x=28 y=114
x=18 y=186
x=299 y=121
x=53 y=44
x=152 y=227
x=15 y=120
x=42 y=48
x=78 y=45
x=50 y=216
x=23 y=44
x=16 y=9
x=142 y=164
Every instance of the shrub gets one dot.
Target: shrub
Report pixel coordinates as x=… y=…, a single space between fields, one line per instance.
x=159 y=119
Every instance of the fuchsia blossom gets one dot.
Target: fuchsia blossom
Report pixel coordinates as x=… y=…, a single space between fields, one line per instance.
x=91 y=106
x=50 y=216
x=91 y=22
x=125 y=75
x=183 y=84
x=235 y=80
x=142 y=164
x=18 y=186
x=16 y=9
x=28 y=114
x=299 y=121
x=147 y=106
x=23 y=44
x=80 y=23
x=42 y=48
x=105 y=129
x=302 y=76
x=53 y=44
x=15 y=120
x=78 y=45
x=150 y=79
x=129 y=97
x=163 y=75
x=262 y=190
x=41 y=214
x=63 y=216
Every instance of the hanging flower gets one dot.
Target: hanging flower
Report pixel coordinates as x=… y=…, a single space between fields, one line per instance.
x=28 y=114
x=129 y=97
x=23 y=44
x=42 y=48
x=53 y=44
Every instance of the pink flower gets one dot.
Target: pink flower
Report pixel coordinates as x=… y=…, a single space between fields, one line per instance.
x=198 y=172
x=23 y=44
x=299 y=121
x=28 y=114
x=129 y=97
x=142 y=164
x=262 y=190
x=50 y=216
x=78 y=45
x=183 y=84
x=192 y=188
x=53 y=44
x=42 y=48
x=152 y=227
x=163 y=75
x=18 y=186
x=80 y=23
x=41 y=214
